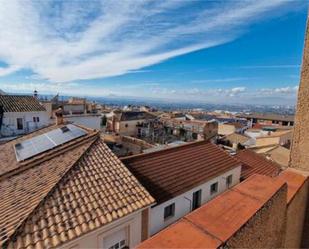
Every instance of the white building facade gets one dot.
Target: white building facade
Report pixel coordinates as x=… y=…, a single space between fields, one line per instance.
x=21 y=114
x=185 y=203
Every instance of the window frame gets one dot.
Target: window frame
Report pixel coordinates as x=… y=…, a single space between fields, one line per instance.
x=229 y=180
x=196 y=201
x=212 y=192
x=171 y=211
x=19 y=125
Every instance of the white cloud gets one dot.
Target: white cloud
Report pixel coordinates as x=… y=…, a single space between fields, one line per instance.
x=289 y=90
x=73 y=40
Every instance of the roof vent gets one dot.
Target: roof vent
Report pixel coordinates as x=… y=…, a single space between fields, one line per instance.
x=65 y=129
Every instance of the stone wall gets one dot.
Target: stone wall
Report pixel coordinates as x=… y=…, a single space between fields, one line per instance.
x=296 y=208
x=266 y=229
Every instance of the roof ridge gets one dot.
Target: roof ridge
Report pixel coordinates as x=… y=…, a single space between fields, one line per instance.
x=52 y=189
x=195 y=143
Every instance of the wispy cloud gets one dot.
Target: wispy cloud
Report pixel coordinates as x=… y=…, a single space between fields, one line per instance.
x=270 y=66
x=63 y=41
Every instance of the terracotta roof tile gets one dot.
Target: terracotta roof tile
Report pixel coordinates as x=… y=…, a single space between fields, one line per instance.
x=64 y=193
x=170 y=172
x=253 y=163
x=20 y=103
x=219 y=219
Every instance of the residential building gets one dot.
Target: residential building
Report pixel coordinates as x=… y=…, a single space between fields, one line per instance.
x=261 y=212
x=225 y=129
x=236 y=140
x=268 y=119
x=283 y=138
x=191 y=129
x=183 y=178
x=62 y=187
x=21 y=114
x=126 y=122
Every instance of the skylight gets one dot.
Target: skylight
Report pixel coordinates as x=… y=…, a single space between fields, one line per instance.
x=49 y=140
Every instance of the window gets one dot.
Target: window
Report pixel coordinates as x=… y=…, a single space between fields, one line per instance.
x=119 y=245
x=214 y=188
x=20 y=125
x=196 y=200
x=169 y=211
x=229 y=181
x=36 y=119
x=126 y=125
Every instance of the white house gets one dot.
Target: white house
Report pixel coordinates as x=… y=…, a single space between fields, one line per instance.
x=183 y=178
x=21 y=114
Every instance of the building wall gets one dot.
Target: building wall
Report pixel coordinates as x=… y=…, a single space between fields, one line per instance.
x=95 y=239
x=9 y=126
x=128 y=128
x=90 y=121
x=295 y=218
x=224 y=129
x=183 y=201
x=73 y=108
x=266 y=229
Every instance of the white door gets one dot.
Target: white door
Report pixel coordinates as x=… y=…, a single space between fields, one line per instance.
x=116 y=240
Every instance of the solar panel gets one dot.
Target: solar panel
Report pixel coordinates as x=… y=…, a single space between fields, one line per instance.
x=47 y=141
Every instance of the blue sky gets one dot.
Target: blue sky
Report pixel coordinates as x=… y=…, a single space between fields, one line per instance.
x=205 y=51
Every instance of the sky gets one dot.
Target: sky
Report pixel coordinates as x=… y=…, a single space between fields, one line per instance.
x=178 y=50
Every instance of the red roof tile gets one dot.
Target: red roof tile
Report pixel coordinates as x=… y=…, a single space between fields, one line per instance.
x=253 y=163
x=170 y=172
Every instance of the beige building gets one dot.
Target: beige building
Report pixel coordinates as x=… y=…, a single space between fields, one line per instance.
x=125 y=122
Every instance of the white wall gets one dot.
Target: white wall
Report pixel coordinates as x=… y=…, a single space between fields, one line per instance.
x=95 y=239
x=9 y=125
x=90 y=121
x=183 y=205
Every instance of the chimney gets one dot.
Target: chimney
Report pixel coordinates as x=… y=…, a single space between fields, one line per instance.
x=35 y=94
x=59 y=116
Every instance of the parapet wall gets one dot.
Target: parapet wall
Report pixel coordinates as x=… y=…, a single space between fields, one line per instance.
x=266 y=229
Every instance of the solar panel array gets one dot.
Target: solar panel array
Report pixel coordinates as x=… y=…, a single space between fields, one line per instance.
x=47 y=141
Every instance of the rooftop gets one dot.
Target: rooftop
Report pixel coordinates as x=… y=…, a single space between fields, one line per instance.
x=20 y=103
x=218 y=220
x=253 y=163
x=237 y=138
x=268 y=116
x=132 y=115
x=170 y=172
x=63 y=193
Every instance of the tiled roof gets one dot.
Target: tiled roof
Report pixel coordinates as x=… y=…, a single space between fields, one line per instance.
x=219 y=219
x=20 y=103
x=268 y=116
x=131 y=115
x=170 y=172
x=237 y=138
x=253 y=163
x=65 y=193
